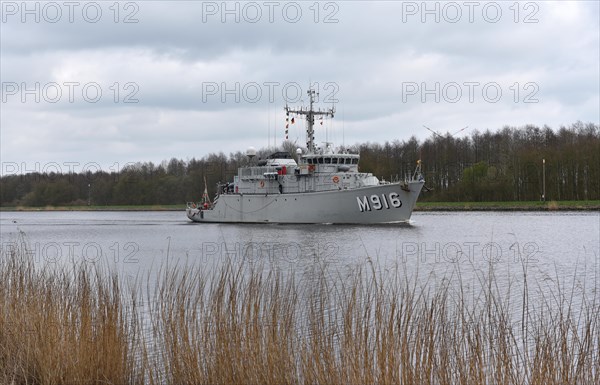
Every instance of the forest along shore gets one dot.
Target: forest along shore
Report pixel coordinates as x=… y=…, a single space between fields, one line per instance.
x=510 y=164
x=421 y=206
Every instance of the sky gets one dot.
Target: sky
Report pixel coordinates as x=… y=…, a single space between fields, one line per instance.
x=97 y=85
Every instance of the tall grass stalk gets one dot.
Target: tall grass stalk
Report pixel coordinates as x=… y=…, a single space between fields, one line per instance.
x=244 y=323
x=64 y=325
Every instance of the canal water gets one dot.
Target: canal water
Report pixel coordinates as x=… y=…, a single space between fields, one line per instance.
x=474 y=254
x=550 y=245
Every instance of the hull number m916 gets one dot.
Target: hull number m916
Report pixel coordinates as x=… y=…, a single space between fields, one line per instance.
x=378 y=202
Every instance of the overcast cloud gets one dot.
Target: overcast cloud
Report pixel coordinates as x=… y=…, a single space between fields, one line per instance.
x=162 y=69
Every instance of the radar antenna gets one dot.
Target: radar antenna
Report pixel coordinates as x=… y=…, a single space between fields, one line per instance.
x=310 y=114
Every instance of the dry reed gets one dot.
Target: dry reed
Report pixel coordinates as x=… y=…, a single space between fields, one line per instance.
x=244 y=323
x=64 y=325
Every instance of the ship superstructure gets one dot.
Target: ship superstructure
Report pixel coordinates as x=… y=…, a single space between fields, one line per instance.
x=323 y=186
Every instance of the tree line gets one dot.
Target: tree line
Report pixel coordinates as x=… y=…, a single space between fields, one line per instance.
x=510 y=164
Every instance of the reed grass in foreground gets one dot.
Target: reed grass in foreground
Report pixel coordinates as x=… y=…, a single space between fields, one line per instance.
x=64 y=325
x=245 y=324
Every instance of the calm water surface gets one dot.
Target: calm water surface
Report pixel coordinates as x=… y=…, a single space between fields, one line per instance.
x=138 y=240
x=556 y=246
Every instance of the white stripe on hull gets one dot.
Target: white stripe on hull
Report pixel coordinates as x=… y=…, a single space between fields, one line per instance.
x=376 y=204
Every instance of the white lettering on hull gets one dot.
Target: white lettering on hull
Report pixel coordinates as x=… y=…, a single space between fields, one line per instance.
x=376 y=202
x=364 y=204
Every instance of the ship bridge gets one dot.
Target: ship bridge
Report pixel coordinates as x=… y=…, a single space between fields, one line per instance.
x=331 y=159
x=331 y=162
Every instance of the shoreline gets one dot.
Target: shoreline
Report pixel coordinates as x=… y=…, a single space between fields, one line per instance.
x=421 y=207
x=509 y=206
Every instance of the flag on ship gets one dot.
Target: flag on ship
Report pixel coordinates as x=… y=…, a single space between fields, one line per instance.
x=205 y=197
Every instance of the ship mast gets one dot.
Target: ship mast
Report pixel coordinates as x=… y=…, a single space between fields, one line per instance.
x=310 y=119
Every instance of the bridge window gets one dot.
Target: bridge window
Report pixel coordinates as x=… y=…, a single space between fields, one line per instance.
x=348 y=160
x=320 y=160
x=327 y=160
x=309 y=160
x=334 y=160
x=355 y=161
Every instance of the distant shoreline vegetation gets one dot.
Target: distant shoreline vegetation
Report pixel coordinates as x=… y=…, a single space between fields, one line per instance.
x=509 y=165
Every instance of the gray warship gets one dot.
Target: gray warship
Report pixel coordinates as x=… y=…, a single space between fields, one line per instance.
x=323 y=186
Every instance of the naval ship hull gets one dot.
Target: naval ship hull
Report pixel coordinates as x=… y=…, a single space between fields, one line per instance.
x=387 y=203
